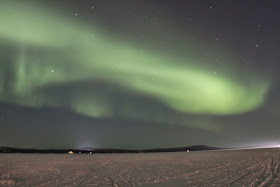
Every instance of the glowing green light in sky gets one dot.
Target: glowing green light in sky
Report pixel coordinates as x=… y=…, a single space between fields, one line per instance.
x=43 y=48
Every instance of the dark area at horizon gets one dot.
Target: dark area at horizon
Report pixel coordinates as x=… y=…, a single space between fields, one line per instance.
x=90 y=150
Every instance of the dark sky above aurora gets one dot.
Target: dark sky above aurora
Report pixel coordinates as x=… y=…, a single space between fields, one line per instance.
x=139 y=74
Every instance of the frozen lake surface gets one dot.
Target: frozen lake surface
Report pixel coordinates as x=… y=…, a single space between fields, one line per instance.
x=258 y=167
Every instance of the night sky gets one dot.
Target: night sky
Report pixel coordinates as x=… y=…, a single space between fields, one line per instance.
x=139 y=74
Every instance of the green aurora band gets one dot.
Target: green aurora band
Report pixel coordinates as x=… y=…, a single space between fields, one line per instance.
x=39 y=49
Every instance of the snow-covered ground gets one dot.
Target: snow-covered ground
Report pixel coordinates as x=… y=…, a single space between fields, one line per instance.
x=254 y=167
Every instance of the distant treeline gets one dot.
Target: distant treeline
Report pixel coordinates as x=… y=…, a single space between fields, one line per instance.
x=92 y=150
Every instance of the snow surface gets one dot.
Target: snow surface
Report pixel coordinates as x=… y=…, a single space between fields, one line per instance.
x=252 y=167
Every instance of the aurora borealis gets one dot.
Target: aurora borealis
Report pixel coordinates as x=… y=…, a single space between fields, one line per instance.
x=110 y=61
